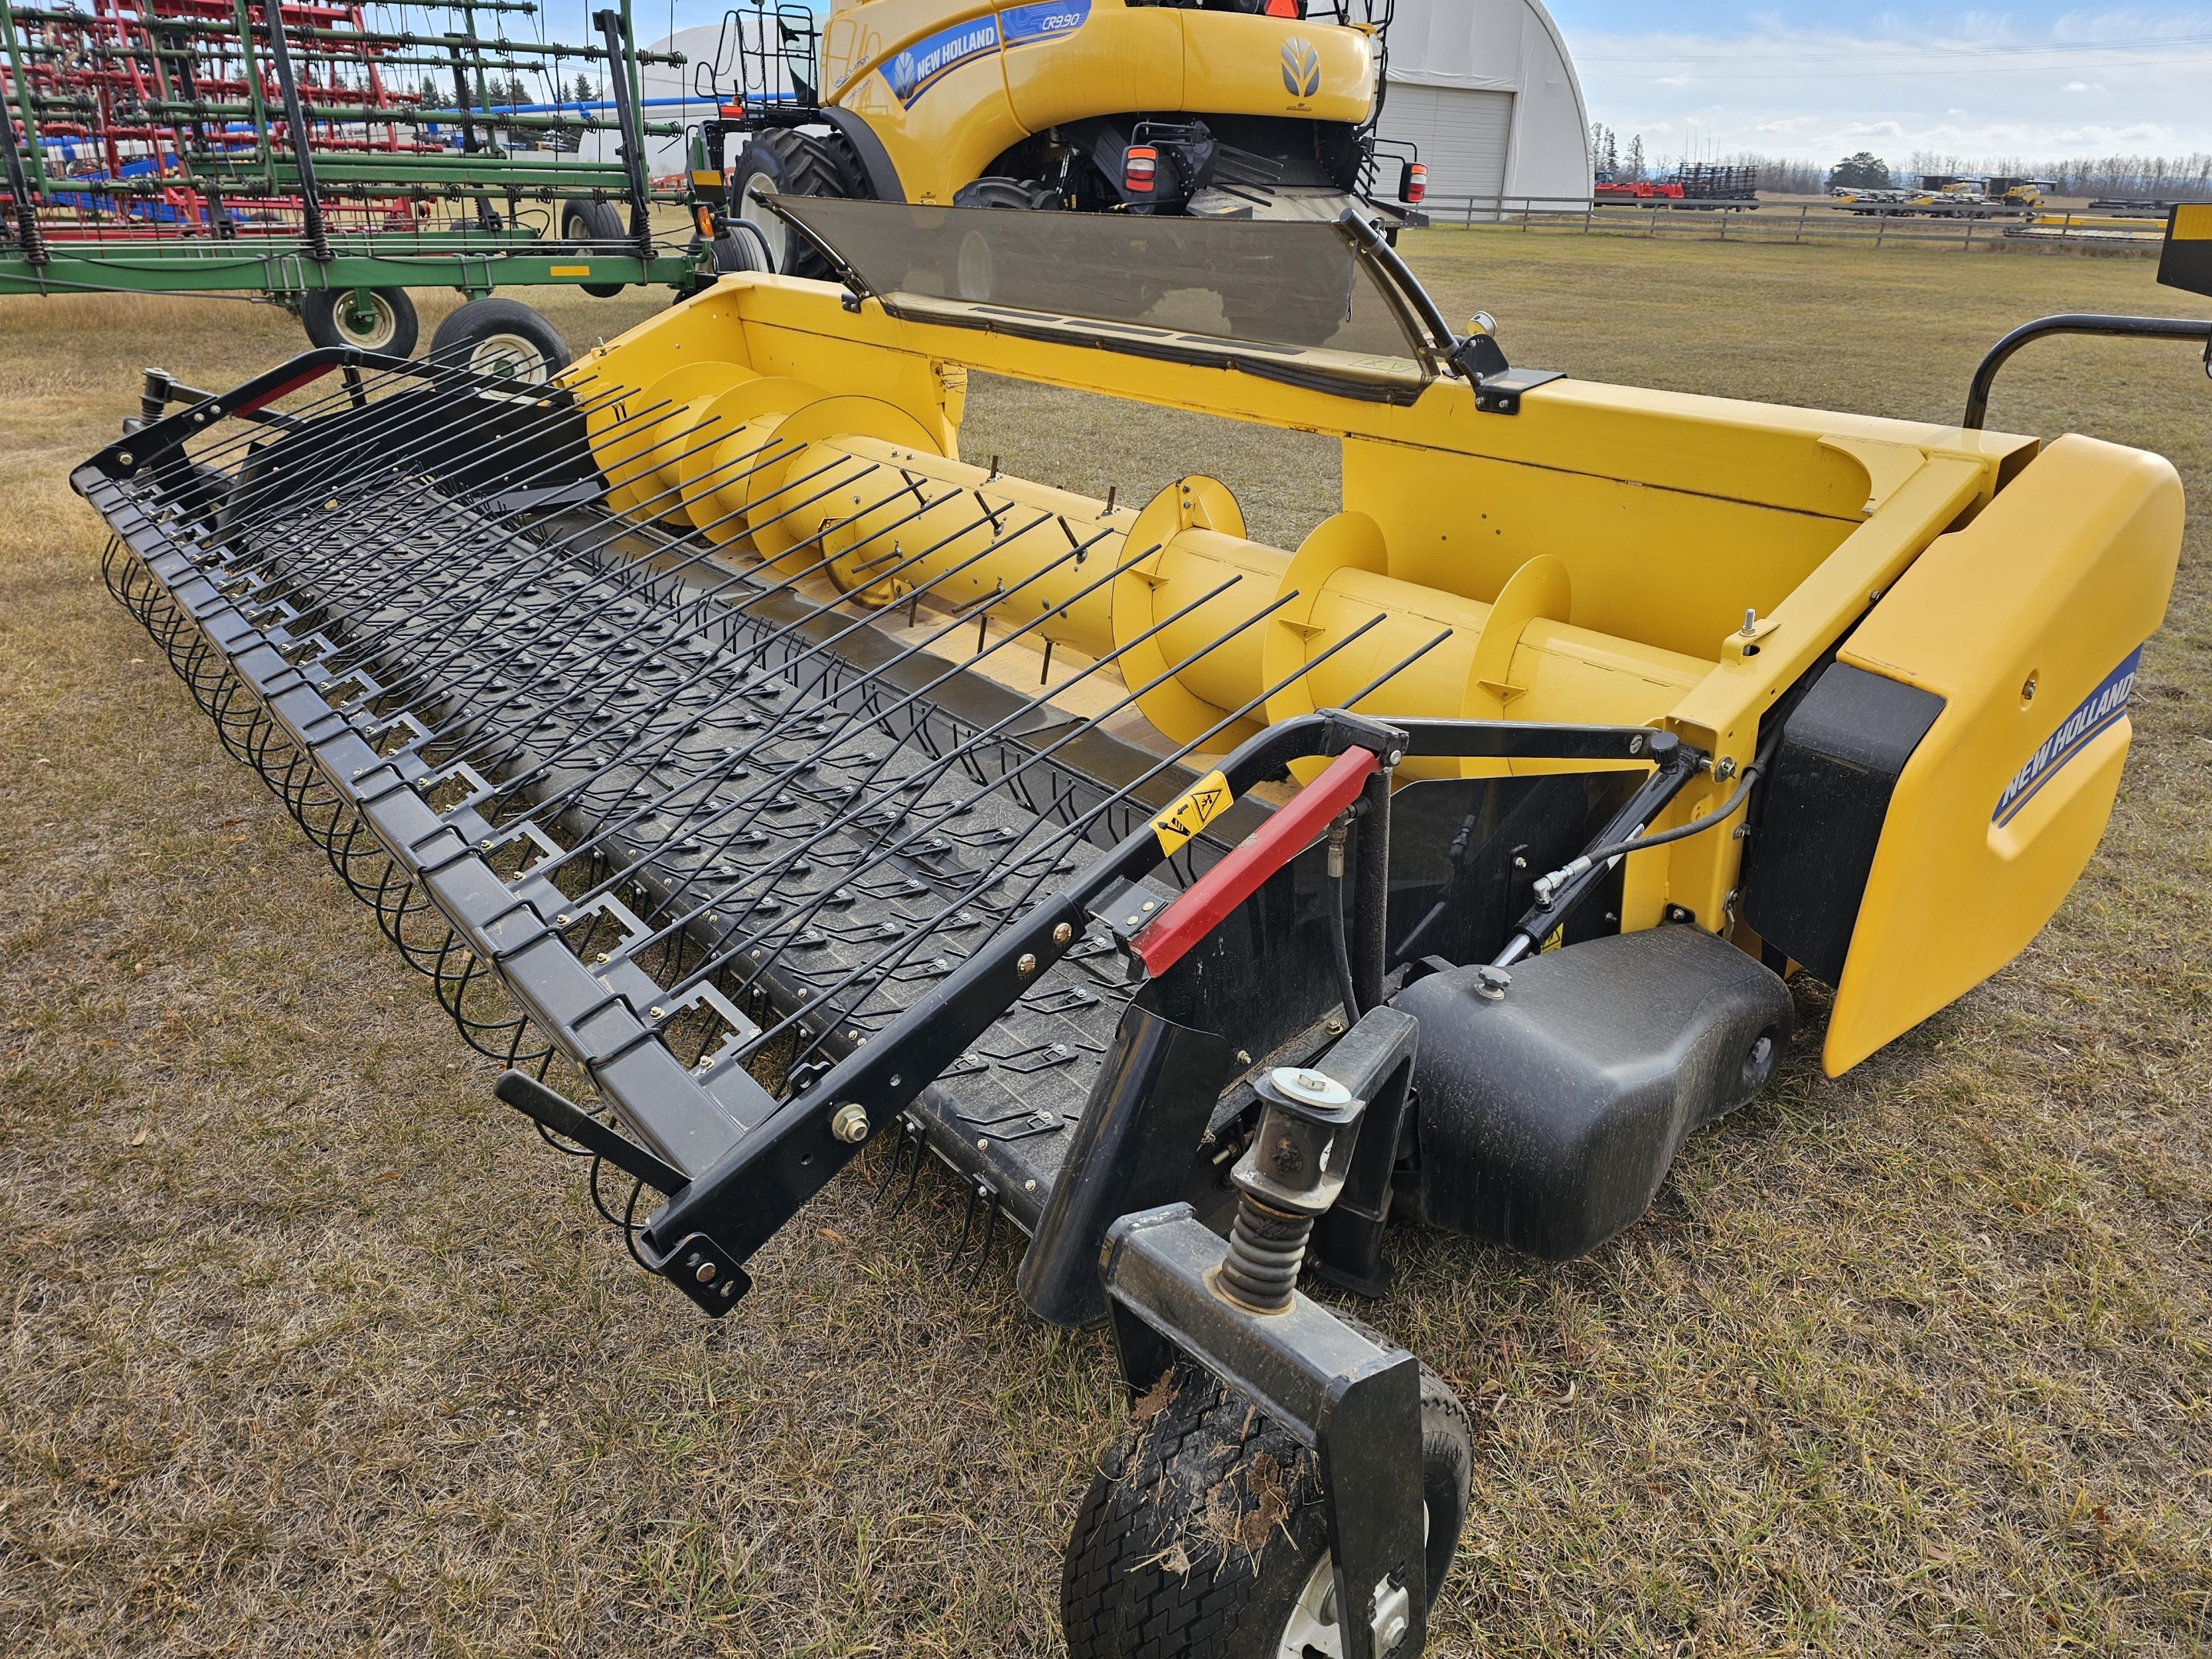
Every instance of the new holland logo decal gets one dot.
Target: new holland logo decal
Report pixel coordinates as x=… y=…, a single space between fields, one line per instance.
x=1301 y=67
x=2101 y=710
x=925 y=63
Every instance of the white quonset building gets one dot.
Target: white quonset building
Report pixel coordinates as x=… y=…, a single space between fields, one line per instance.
x=1487 y=90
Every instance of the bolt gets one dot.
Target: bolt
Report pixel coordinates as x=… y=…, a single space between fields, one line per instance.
x=1030 y=1186
x=2027 y=689
x=1520 y=863
x=1490 y=982
x=655 y=1011
x=1061 y=934
x=127 y=458
x=1725 y=770
x=706 y=1272
x=1243 y=1059
x=849 y=1123
x=1335 y=1027
x=1026 y=964
x=1750 y=623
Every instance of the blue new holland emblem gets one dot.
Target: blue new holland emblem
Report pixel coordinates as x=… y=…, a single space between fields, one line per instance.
x=921 y=66
x=2100 y=710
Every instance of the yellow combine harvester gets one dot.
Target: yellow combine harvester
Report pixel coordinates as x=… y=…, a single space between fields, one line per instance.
x=708 y=722
x=1256 y=109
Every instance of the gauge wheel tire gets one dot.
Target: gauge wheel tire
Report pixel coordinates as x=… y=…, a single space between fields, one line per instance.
x=583 y=222
x=743 y=248
x=1204 y=1533
x=328 y=317
x=503 y=339
x=780 y=162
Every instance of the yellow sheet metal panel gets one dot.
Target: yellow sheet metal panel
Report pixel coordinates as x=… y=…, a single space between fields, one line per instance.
x=1244 y=63
x=1116 y=59
x=1466 y=523
x=2026 y=623
x=942 y=120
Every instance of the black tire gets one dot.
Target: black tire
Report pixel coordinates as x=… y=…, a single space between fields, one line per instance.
x=782 y=162
x=1204 y=1527
x=329 y=321
x=995 y=192
x=743 y=248
x=501 y=337
x=584 y=222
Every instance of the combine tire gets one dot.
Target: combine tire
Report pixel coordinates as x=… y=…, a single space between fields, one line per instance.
x=327 y=315
x=501 y=337
x=1203 y=1535
x=583 y=222
x=780 y=162
x=997 y=192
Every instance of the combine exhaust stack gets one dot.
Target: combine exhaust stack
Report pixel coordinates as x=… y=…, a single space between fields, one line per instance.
x=704 y=727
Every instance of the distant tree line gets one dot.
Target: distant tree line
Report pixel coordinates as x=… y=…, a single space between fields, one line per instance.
x=2170 y=178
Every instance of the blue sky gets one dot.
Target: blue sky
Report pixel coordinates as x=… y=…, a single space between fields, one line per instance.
x=1700 y=79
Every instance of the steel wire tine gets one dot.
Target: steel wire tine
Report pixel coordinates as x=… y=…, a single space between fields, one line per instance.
x=967 y=1219
x=464 y=631
x=990 y=1237
x=843 y=813
x=892 y=837
x=886 y=961
x=713 y=775
x=361 y=455
x=903 y=1128
x=389 y=524
x=1228 y=720
x=920 y=1155
x=382 y=510
x=677 y=632
x=872 y=720
x=334 y=403
x=395 y=524
x=1075 y=832
x=463 y=634
x=629 y=757
x=826 y=646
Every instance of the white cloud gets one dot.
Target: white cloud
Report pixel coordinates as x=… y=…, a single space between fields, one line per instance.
x=2091 y=83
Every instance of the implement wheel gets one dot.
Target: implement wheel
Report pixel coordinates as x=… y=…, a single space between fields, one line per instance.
x=1204 y=1534
x=384 y=321
x=501 y=337
x=584 y=222
x=778 y=161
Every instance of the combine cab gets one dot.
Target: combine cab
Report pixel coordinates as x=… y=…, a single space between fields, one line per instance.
x=758 y=779
x=1264 y=110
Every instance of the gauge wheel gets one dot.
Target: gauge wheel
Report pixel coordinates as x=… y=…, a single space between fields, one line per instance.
x=778 y=161
x=502 y=338
x=585 y=222
x=385 y=321
x=1204 y=1532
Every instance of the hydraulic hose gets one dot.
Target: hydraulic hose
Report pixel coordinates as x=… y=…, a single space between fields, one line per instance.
x=1548 y=885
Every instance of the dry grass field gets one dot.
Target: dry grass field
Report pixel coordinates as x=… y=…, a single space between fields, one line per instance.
x=312 y=1349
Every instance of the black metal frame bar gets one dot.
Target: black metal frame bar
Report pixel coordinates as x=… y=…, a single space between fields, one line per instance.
x=2075 y=322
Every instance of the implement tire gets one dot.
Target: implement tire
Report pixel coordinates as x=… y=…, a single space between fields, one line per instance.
x=584 y=222
x=778 y=161
x=1204 y=1537
x=501 y=337
x=327 y=317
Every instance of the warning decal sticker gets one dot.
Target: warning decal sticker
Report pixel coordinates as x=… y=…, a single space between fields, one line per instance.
x=1209 y=798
